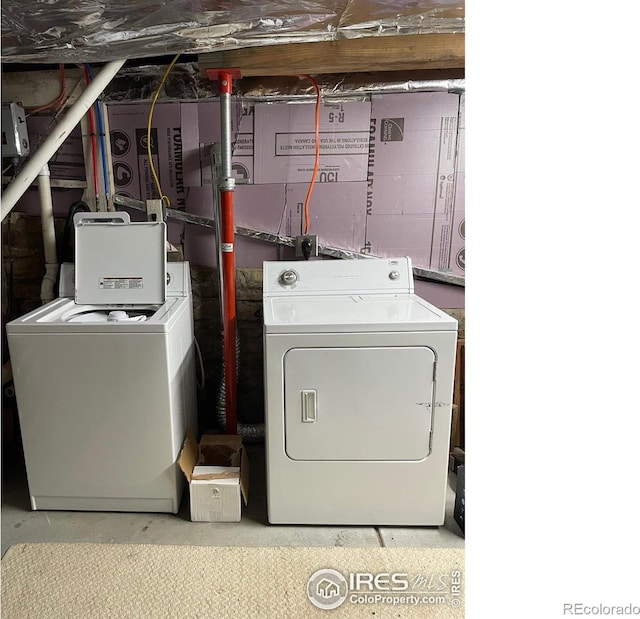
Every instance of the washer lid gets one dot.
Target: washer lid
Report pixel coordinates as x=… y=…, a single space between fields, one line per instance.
x=354 y=313
x=119 y=261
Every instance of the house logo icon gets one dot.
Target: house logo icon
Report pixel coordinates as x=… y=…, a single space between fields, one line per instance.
x=327 y=589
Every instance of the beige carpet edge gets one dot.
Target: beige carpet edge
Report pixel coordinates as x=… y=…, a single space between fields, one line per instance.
x=145 y=580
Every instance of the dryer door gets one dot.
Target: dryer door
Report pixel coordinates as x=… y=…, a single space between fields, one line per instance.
x=358 y=403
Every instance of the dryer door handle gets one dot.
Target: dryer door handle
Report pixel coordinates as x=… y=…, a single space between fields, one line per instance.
x=309 y=406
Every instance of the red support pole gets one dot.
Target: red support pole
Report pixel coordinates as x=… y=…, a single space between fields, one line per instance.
x=229 y=315
x=228 y=266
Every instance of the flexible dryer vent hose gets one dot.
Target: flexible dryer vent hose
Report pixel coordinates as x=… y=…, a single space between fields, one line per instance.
x=250 y=432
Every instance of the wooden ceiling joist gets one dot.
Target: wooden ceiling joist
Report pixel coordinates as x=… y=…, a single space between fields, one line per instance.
x=382 y=53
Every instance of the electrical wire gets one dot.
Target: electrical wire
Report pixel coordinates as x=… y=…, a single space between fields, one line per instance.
x=92 y=130
x=58 y=101
x=150 y=120
x=200 y=384
x=282 y=216
x=316 y=164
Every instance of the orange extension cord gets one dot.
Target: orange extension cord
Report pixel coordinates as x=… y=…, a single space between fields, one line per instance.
x=317 y=160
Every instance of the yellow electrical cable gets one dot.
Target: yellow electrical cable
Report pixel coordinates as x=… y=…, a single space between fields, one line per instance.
x=153 y=105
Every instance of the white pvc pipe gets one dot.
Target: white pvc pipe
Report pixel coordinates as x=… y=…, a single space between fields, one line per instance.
x=57 y=136
x=48 y=237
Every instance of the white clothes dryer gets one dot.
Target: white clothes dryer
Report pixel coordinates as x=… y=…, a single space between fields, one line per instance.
x=106 y=388
x=358 y=391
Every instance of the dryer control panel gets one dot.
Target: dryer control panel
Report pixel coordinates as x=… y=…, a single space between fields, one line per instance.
x=326 y=277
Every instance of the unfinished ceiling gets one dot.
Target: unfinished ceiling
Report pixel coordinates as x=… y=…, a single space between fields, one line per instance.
x=56 y=31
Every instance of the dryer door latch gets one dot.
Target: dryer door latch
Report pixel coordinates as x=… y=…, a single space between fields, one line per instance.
x=309 y=408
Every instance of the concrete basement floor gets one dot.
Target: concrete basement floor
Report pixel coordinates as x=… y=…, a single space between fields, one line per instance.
x=20 y=524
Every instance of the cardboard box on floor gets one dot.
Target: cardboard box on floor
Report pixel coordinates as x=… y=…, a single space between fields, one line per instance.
x=217 y=470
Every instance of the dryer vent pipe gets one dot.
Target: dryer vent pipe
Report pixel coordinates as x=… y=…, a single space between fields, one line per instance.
x=250 y=432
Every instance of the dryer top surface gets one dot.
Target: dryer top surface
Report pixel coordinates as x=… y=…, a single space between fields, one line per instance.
x=354 y=313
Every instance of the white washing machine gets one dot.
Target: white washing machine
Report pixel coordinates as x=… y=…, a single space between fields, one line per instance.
x=105 y=376
x=358 y=389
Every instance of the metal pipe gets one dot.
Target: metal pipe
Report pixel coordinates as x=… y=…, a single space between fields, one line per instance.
x=57 y=136
x=216 y=173
x=225 y=129
x=48 y=237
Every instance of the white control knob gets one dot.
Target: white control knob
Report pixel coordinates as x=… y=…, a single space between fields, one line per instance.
x=394 y=275
x=288 y=278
